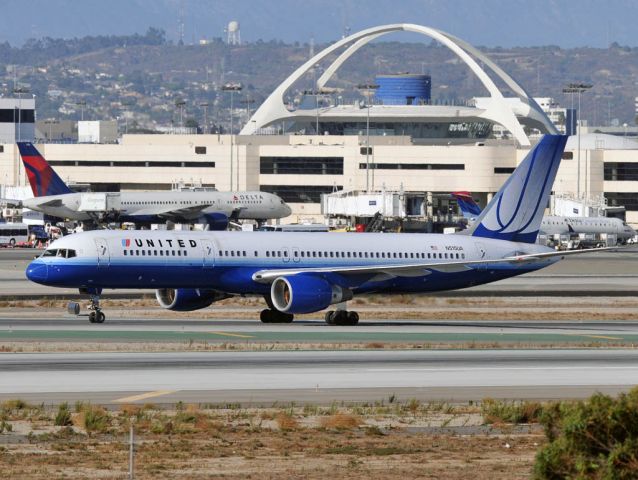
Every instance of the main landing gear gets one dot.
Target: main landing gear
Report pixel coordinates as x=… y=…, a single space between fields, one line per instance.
x=341 y=317
x=275 y=316
x=95 y=312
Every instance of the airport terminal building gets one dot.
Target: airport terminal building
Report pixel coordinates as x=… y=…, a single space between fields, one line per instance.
x=398 y=142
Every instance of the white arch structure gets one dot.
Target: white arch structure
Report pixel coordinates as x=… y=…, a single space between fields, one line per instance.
x=495 y=108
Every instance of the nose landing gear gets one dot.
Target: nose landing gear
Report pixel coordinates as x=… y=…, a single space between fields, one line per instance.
x=95 y=312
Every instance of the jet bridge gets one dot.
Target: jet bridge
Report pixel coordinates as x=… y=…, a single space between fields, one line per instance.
x=100 y=202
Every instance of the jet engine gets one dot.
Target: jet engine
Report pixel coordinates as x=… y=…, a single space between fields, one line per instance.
x=215 y=220
x=306 y=294
x=187 y=299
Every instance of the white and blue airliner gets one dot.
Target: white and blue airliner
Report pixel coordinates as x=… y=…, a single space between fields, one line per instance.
x=307 y=272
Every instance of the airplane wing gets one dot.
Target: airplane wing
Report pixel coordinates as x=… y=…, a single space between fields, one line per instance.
x=172 y=213
x=11 y=203
x=418 y=269
x=51 y=203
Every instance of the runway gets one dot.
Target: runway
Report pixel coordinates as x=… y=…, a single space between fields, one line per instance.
x=317 y=376
x=428 y=333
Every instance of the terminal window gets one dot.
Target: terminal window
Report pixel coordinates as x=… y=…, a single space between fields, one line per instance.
x=200 y=150
x=301 y=165
x=413 y=166
x=621 y=171
x=627 y=199
x=503 y=169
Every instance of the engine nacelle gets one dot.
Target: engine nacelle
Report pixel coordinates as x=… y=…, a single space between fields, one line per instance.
x=305 y=294
x=187 y=299
x=215 y=220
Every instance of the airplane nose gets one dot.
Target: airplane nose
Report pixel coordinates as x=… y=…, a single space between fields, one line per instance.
x=38 y=272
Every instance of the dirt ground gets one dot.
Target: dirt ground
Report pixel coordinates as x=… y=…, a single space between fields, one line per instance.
x=417 y=307
x=382 y=441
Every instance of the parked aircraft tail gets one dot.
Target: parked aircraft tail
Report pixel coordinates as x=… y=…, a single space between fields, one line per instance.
x=516 y=211
x=469 y=208
x=43 y=179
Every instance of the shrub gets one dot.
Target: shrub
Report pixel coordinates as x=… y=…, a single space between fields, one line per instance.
x=286 y=421
x=63 y=417
x=341 y=421
x=93 y=419
x=592 y=439
x=496 y=411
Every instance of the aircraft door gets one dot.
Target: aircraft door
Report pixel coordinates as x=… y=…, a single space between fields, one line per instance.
x=208 y=254
x=482 y=254
x=103 y=255
x=295 y=255
x=285 y=254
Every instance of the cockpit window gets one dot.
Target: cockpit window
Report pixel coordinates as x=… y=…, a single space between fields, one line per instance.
x=59 y=252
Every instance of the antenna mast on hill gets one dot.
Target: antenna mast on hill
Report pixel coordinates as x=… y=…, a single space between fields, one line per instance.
x=180 y=22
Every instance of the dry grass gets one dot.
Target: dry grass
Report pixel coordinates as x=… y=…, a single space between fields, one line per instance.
x=360 y=442
x=341 y=421
x=286 y=421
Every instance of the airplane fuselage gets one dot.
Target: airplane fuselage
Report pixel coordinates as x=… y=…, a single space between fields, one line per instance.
x=553 y=224
x=228 y=261
x=151 y=206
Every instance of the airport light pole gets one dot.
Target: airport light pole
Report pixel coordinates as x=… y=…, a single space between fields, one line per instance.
x=232 y=88
x=20 y=91
x=248 y=102
x=179 y=103
x=367 y=89
x=81 y=104
x=205 y=106
x=577 y=88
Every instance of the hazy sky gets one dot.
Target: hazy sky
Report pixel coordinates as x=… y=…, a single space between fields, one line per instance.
x=506 y=23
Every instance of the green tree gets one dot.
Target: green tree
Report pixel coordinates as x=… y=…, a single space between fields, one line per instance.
x=592 y=439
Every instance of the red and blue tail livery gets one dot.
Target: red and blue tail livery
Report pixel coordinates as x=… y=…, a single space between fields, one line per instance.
x=44 y=181
x=469 y=208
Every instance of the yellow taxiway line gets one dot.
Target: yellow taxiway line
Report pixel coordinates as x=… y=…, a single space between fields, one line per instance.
x=226 y=334
x=144 y=396
x=603 y=337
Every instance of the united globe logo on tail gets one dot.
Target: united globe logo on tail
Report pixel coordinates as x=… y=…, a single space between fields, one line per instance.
x=516 y=211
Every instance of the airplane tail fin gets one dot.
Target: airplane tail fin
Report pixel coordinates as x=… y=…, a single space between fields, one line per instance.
x=469 y=208
x=516 y=211
x=43 y=179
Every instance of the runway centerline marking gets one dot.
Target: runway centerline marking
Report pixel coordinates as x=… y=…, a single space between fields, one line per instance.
x=144 y=396
x=226 y=334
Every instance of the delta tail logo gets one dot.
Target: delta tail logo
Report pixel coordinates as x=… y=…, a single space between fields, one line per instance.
x=44 y=181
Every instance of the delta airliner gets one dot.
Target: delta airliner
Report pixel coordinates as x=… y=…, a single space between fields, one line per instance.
x=53 y=197
x=308 y=272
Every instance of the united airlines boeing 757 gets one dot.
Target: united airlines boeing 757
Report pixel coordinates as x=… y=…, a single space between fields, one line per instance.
x=308 y=272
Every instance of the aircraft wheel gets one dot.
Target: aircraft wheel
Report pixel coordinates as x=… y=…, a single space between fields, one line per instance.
x=340 y=318
x=266 y=316
x=353 y=318
x=287 y=317
x=329 y=317
x=100 y=317
x=12 y=242
x=92 y=316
